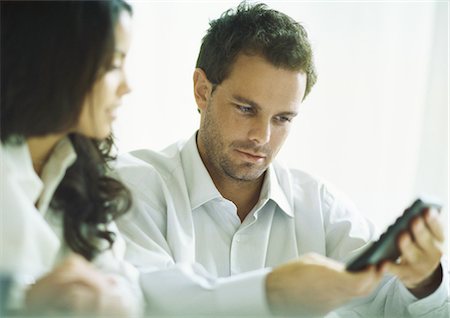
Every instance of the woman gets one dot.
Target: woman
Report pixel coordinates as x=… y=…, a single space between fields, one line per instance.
x=62 y=79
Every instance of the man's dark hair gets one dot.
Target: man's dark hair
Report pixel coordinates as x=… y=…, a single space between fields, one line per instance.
x=255 y=29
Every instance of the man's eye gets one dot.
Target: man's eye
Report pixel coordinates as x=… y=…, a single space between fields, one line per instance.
x=283 y=119
x=244 y=109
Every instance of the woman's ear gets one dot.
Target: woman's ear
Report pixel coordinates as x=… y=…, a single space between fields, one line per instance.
x=202 y=89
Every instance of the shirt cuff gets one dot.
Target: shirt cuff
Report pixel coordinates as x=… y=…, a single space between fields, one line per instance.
x=432 y=302
x=247 y=292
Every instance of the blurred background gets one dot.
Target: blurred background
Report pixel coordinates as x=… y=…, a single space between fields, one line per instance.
x=376 y=123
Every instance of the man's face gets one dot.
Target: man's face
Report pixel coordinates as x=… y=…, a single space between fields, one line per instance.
x=247 y=118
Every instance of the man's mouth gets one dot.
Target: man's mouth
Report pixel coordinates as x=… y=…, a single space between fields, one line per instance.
x=251 y=157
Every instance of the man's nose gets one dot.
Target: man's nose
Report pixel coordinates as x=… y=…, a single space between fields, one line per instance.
x=260 y=131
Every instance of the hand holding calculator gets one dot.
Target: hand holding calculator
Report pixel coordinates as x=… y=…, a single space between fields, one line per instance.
x=385 y=248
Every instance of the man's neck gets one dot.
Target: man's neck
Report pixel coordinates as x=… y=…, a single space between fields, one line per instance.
x=244 y=194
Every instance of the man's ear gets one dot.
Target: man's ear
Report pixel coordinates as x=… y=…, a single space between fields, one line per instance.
x=202 y=89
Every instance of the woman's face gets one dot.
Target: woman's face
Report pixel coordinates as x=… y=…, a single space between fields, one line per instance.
x=100 y=106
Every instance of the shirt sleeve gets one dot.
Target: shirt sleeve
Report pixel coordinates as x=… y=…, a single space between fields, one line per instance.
x=188 y=288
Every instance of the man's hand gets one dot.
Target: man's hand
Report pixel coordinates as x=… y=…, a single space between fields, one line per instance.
x=75 y=286
x=315 y=285
x=421 y=251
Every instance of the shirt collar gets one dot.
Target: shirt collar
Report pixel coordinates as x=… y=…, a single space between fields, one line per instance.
x=37 y=188
x=271 y=190
x=201 y=188
x=18 y=158
x=61 y=158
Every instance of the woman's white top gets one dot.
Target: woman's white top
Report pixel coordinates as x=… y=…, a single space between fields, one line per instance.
x=31 y=238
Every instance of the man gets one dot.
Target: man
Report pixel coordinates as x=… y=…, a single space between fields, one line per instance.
x=218 y=227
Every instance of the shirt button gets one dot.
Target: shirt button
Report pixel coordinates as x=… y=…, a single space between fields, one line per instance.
x=237 y=238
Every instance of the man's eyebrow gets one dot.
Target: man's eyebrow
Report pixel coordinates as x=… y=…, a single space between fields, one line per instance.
x=246 y=101
x=291 y=114
x=255 y=105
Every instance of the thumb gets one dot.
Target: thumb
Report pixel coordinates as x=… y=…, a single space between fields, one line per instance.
x=393 y=268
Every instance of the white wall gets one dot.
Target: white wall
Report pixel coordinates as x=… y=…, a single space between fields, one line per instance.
x=376 y=123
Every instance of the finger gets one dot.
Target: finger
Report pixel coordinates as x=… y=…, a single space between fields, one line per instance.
x=422 y=235
x=426 y=241
x=433 y=222
x=396 y=269
x=383 y=267
x=410 y=252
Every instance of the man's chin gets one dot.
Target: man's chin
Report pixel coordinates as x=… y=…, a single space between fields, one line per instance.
x=247 y=175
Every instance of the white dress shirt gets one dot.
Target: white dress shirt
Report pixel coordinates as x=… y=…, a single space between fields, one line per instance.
x=31 y=233
x=195 y=255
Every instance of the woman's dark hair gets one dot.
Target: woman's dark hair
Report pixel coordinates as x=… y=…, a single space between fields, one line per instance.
x=52 y=53
x=255 y=29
